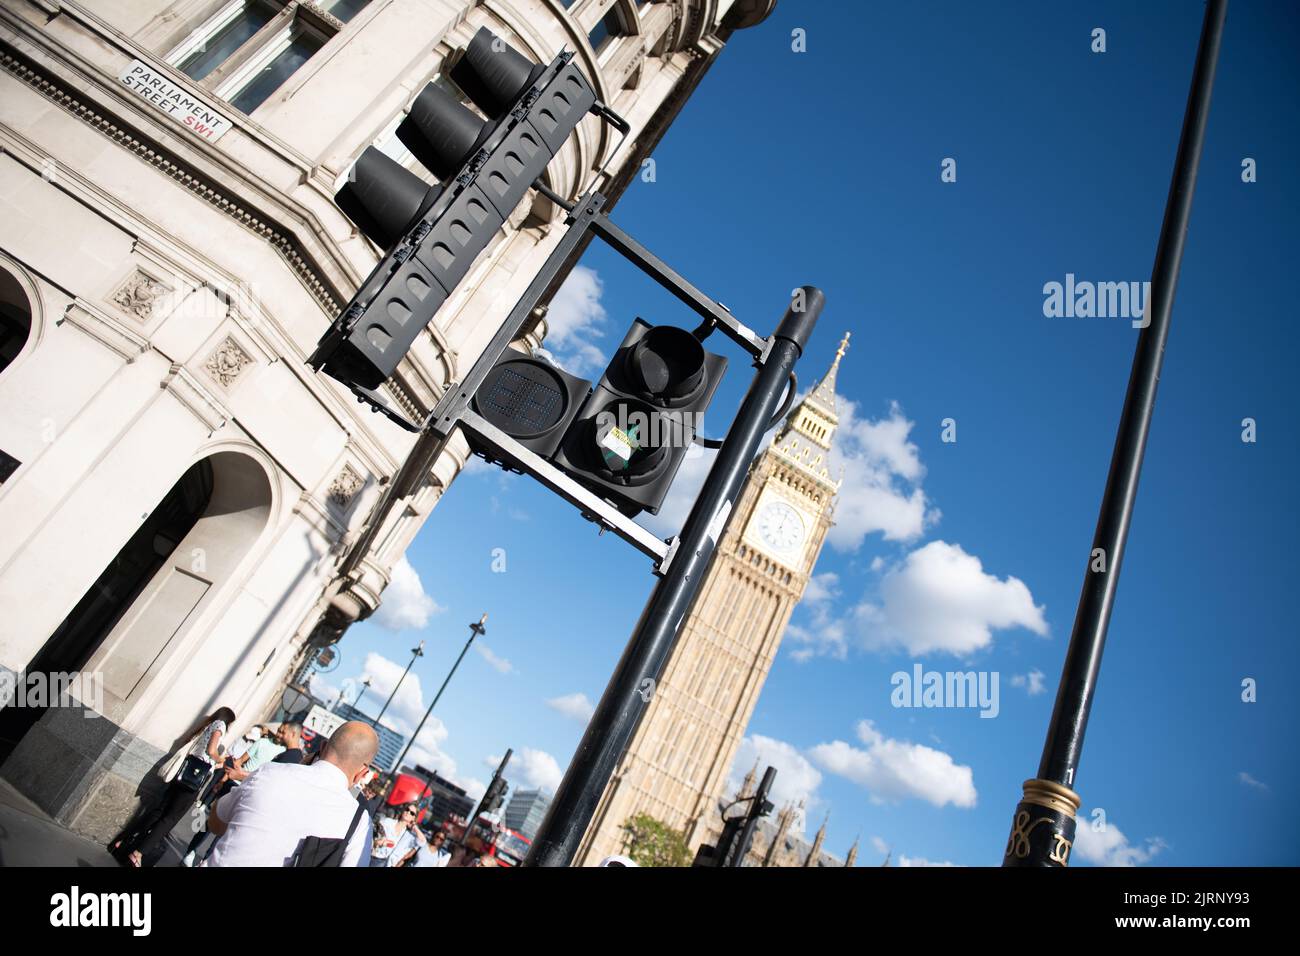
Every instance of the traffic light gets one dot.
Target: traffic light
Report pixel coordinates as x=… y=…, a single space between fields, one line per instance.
x=635 y=428
x=434 y=234
x=738 y=831
x=495 y=796
x=530 y=400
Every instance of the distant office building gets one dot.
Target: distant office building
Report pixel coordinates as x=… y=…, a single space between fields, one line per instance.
x=525 y=811
x=446 y=799
x=390 y=741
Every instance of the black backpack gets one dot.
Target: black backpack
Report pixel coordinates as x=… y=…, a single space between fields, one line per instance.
x=326 y=851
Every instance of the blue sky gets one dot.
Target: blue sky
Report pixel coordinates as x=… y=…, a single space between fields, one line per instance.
x=823 y=167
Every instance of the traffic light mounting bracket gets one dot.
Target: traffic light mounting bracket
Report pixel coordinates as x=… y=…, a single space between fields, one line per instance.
x=453 y=410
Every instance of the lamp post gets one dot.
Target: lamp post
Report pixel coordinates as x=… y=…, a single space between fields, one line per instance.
x=415 y=652
x=365 y=686
x=356 y=704
x=1043 y=827
x=475 y=630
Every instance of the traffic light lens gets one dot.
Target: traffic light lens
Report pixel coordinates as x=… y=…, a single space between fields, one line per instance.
x=524 y=399
x=628 y=442
x=667 y=365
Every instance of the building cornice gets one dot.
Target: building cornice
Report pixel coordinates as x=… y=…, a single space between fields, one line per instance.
x=181 y=383
x=106 y=330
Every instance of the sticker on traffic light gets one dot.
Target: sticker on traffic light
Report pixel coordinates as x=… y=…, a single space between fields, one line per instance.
x=633 y=433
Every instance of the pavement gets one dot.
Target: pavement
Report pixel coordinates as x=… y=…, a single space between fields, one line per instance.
x=29 y=837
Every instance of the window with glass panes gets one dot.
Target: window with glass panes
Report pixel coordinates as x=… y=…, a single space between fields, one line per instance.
x=246 y=49
x=607 y=29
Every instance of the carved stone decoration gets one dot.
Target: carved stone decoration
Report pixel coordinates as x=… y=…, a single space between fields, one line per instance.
x=344 y=487
x=227 y=361
x=137 y=295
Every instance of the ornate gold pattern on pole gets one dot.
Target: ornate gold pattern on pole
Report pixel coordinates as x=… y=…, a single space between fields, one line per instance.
x=1031 y=843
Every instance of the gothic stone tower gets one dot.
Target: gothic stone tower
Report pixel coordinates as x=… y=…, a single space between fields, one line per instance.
x=676 y=766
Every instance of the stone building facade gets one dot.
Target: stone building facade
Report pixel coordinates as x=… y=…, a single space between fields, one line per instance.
x=176 y=487
x=677 y=765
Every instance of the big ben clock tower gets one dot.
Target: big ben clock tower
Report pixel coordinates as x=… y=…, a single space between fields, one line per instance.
x=675 y=769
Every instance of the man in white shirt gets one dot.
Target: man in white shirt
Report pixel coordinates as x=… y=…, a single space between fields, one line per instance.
x=262 y=822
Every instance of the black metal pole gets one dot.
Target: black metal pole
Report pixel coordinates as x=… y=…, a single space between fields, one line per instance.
x=758 y=809
x=475 y=630
x=628 y=693
x=478 y=808
x=356 y=704
x=1050 y=798
x=416 y=652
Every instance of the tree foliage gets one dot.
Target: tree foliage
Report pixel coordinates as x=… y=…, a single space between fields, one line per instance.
x=651 y=842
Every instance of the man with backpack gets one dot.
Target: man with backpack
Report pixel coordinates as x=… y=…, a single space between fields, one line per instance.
x=299 y=815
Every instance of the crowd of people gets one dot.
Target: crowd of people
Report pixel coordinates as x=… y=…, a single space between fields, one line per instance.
x=266 y=801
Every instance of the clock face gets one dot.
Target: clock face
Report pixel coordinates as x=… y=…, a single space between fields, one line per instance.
x=780 y=527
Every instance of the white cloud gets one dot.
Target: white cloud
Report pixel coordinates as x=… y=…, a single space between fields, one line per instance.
x=822 y=588
x=574 y=318
x=474 y=787
x=879 y=845
x=1250 y=781
x=1034 y=682
x=427 y=750
x=940 y=599
x=529 y=769
x=893 y=770
x=1110 y=847
x=408 y=705
x=574 y=706
x=882 y=473
x=324 y=690
x=796 y=779
x=824 y=633
x=499 y=664
x=405 y=713
x=405 y=605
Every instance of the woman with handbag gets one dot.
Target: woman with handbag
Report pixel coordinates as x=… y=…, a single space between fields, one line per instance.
x=203 y=754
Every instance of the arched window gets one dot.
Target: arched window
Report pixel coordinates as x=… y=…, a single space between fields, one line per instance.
x=15 y=319
x=613 y=24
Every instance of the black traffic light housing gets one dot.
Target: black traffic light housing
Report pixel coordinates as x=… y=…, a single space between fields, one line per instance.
x=494 y=796
x=635 y=429
x=530 y=400
x=434 y=235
